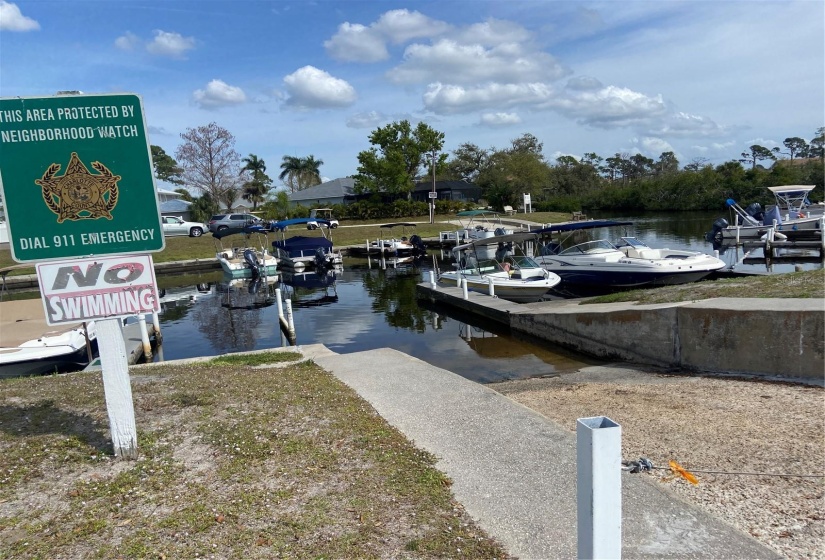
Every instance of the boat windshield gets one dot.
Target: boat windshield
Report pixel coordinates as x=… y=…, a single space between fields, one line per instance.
x=590 y=247
x=632 y=242
x=521 y=261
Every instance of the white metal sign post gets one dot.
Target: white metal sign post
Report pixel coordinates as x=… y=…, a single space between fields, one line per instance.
x=104 y=290
x=76 y=180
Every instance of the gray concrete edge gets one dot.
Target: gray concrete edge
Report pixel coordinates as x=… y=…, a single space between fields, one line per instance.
x=767 y=337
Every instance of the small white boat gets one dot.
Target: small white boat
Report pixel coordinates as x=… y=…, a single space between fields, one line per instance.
x=28 y=347
x=249 y=257
x=475 y=224
x=392 y=244
x=514 y=275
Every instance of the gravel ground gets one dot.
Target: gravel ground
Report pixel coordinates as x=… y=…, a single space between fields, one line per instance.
x=710 y=424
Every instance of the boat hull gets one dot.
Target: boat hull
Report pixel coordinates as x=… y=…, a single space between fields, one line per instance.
x=517 y=291
x=242 y=271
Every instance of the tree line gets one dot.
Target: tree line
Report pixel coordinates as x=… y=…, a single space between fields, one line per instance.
x=402 y=155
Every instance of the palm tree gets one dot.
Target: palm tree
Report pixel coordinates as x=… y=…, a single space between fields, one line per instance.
x=311 y=175
x=300 y=173
x=290 y=171
x=255 y=189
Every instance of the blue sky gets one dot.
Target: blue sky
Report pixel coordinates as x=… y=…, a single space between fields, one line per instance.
x=704 y=79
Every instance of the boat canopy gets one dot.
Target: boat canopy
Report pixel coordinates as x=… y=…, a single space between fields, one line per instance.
x=301 y=243
x=283 y=224
x=471 y=213
x=792 y=189
x=518 y=237
x=588 y=224
x=792 y=197
x=257 y=228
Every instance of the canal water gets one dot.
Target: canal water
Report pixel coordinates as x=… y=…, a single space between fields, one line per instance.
x=366 y=306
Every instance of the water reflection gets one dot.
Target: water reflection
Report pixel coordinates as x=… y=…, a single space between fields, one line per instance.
x=361 y=307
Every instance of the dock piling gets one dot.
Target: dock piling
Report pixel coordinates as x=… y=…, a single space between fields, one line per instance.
x=144 y=338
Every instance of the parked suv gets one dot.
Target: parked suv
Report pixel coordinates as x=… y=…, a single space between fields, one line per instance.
x=220 y=222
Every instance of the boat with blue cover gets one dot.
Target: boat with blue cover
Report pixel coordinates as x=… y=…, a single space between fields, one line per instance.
x=299 y=252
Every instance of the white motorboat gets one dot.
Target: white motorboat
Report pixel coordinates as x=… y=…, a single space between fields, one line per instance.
x=250 y=257
x=629 y=263
x=475 y=224
x=513 y=274
x=792 y=217
x=31 y=348
x=391 y=244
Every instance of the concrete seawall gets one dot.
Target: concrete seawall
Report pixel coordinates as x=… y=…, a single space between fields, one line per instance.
x=765 y=337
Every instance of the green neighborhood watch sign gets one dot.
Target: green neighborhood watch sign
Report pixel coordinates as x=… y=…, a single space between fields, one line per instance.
x=76 y=177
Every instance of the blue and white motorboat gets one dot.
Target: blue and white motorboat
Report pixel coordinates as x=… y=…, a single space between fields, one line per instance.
x=300 y=252
x=629 y=263
x=243 y=252
x=792 y=217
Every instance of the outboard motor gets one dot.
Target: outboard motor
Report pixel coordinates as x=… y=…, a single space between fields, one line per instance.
x=321 y=260
x=255 y=285
x=716 y=233
x=252 y=261
x=418 y=244
x=755 y=210
x=500 y=231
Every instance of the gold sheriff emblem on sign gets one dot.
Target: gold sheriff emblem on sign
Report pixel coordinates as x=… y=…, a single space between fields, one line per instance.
x=77 y=194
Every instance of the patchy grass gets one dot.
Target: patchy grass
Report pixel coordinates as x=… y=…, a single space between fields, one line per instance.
x=234 y=462
x=806 y=284
x=255 y=359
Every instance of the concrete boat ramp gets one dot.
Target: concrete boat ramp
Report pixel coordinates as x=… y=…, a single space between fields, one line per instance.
x=514 y=471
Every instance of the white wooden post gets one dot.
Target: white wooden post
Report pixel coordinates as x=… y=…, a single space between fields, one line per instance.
x=491 y=287
x=116 y=386
x=144 y=337
x=432 y=280
x=599 y=487
x=464 y=289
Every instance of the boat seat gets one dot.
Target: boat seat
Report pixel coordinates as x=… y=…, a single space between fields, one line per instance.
x=649 y=254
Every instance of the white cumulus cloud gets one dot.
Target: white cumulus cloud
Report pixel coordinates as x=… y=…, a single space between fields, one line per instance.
x=451 y=62
x=128 y=41
x=357 y=43
x=499 y=119
x=445 y=99
x=311 y=88
x=354 y=42
x=400 y=26
x=680 y=124
x=12 y=19
x=655 y=146
x=218 y=94
x=609 y=107
x=371 y=119
x=170 y=44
